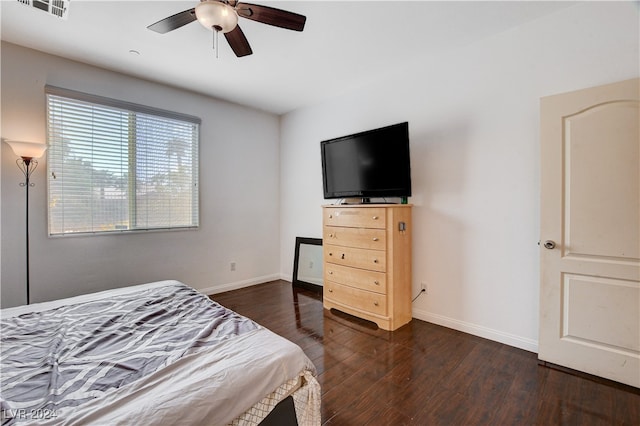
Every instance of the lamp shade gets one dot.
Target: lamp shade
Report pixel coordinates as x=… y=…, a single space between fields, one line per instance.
x=214 y=15
x=27 y=149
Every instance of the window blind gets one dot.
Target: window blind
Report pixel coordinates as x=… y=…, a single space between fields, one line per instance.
x=117 y=167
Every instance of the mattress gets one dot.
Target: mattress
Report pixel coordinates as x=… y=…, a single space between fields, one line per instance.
x=159 y=353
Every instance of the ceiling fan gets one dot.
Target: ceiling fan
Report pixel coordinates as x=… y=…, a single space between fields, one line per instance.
x=222 y=16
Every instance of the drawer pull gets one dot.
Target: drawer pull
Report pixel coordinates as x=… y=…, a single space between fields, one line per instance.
x=330 y=235
x=376 y=282
x=330 y=272
x=375 y=260
x=375 y=218
x=330 y=254
x=342 y=256
x=375 y=238
x=330 y=291
x=330 y=216
x=375 y=303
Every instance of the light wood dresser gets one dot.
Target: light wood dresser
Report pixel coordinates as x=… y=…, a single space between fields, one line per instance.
x=367 y=262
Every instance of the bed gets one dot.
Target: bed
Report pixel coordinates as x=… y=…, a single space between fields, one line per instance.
x=154 y=354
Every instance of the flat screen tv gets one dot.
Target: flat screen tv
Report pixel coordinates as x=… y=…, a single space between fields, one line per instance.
x=367 y=165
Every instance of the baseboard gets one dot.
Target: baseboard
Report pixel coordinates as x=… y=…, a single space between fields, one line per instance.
x=239 y=284
x=478 y=330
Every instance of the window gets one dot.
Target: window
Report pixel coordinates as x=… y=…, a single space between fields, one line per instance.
x=117 y=167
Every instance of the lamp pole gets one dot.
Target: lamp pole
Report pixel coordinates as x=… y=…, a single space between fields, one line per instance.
x=27 y=165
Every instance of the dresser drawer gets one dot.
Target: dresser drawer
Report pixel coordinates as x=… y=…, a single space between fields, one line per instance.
x=374 y=260
x=375 y=303
x=358 y=278
x=355 y=217
x=368 y=238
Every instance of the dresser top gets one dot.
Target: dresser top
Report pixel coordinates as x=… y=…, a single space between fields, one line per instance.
x=367 y=205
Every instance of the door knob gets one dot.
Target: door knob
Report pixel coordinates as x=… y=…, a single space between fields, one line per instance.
x=549 y=245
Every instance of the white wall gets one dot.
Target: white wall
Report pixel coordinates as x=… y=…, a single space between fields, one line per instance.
x=473 y=121
x=239 y=189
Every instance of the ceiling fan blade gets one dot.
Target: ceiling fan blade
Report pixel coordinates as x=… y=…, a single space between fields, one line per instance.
x=272 y=16
x=238 y=42
x=174 y=22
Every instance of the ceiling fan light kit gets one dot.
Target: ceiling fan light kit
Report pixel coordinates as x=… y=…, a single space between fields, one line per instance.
x=222 y=16
x=214 y=15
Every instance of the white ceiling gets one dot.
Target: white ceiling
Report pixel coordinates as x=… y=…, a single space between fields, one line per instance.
x=343 y=46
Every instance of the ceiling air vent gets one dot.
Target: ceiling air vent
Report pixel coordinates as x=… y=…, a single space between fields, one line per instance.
x=59 y=8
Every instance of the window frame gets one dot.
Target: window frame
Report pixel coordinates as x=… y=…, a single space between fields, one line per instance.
x=134 y=109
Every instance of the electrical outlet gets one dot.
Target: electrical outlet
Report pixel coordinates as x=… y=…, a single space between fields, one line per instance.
x=423 y=287
x=232 y=266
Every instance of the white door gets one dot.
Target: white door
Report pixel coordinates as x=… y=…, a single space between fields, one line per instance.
x=590 y=231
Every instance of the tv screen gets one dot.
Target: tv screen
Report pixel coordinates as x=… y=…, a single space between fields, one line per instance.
x=369 y=164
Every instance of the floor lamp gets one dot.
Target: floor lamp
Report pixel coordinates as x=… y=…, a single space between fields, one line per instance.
x=27 y=163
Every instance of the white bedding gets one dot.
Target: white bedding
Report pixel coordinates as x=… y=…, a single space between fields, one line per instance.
x=211 y=384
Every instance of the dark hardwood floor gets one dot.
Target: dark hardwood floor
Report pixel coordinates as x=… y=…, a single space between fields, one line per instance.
x=424 y=374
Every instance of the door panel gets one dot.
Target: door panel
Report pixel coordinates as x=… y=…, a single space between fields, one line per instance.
x=590 y=208
x=586 y=312
x=600 y=173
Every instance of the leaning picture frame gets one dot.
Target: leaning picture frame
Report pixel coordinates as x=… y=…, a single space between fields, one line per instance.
x=307 y=264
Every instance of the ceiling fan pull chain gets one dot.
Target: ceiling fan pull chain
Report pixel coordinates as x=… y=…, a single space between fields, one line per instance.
x=215 y=40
